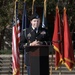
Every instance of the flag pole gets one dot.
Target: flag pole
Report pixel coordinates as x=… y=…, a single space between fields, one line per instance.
x=61 y=42
x=15 y=11
x=45 y=4
x=23 y=64
x=24 y=1
x=45 y=9
x=33 y=6
x=60 y=66
x=44 y=14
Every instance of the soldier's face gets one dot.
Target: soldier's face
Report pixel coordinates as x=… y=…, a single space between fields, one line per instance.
x=35 y=23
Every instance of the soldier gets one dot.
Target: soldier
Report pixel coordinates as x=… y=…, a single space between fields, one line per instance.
x=33 y=36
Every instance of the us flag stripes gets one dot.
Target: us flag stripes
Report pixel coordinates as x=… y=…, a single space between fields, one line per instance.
x=15 y=42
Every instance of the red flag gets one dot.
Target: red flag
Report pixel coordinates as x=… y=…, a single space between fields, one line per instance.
x=57 y=39
x=15 y=43
x=68 y=48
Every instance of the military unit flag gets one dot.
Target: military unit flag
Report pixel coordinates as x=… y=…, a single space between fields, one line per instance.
x=62 y=41
x=68 y=47
x=57 y=39
x=24 y=18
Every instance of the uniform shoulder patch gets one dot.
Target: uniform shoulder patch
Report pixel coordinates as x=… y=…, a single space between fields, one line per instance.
x=24 y=29
x=28 y=35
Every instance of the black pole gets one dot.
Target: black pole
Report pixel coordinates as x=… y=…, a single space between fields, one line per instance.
x=23 y=62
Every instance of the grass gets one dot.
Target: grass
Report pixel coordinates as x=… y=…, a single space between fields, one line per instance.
x=8 y=51
x=5 y=51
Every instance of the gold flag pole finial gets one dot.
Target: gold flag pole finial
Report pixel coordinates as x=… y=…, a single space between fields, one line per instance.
x=33 y=6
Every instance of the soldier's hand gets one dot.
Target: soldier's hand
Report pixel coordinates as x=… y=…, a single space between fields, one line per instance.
x=35 y=43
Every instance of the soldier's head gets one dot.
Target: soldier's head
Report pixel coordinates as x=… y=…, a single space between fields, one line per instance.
x=35 y=20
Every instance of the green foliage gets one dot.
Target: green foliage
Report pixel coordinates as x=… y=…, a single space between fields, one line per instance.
x=5 y=51
x=7 y=7
x=5 y=13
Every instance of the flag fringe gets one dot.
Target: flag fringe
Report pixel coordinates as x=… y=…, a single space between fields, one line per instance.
x=63 y=61
x=69 y=60
x=70 y=69
x=15 y=71
x=56 y=48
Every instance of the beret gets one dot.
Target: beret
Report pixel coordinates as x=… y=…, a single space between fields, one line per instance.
x=34 y=16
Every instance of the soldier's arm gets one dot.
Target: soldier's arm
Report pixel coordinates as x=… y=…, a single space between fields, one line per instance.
x=23 y=40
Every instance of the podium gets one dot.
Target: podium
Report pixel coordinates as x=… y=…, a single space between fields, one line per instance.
x=39 y=59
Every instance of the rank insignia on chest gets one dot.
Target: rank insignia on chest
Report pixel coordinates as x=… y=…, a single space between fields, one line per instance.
x=29 y=35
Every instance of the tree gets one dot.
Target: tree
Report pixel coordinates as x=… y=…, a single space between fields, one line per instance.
x=7 y=8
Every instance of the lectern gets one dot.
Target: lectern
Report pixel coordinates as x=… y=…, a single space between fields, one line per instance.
x=39 y=59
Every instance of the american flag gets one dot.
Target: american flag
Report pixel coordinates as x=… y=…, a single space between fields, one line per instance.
x=18 y=29
x=15 y=42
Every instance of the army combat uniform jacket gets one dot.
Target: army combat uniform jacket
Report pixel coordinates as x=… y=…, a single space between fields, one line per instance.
x=29 y=35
